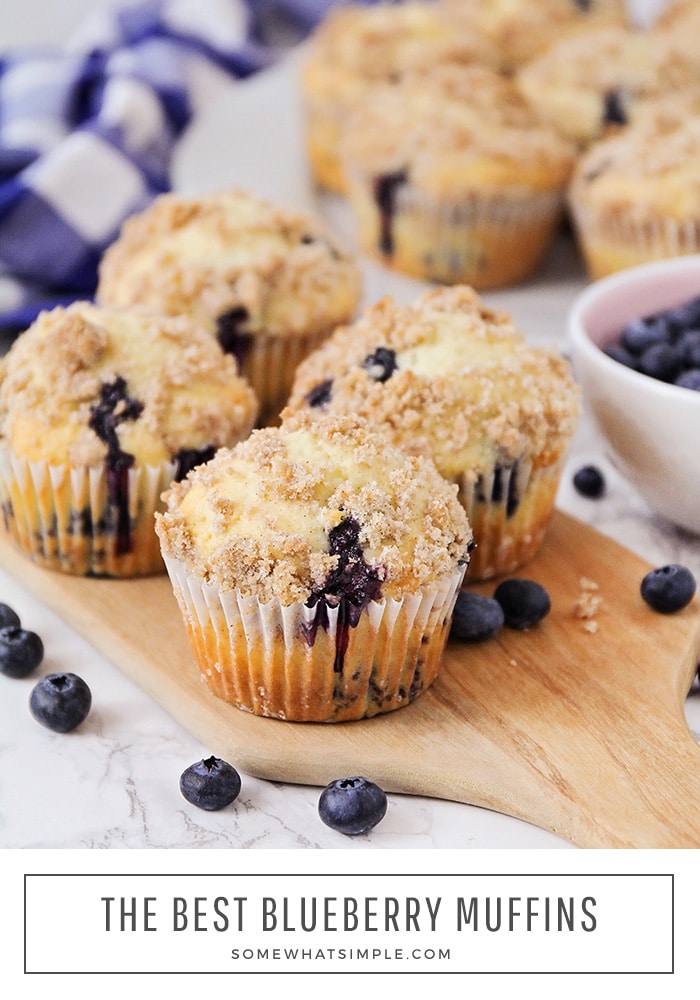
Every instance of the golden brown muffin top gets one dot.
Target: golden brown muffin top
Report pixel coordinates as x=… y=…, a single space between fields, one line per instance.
x=163 y=385
x=649 y=170
x=586 y=84
x=276 y=514
x=485 y=136
x=231 y=250
x=521 y=29
x=357 y=46
x=445 y=377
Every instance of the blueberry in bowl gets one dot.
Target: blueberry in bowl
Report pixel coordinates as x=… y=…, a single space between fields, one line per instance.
x=635 y=344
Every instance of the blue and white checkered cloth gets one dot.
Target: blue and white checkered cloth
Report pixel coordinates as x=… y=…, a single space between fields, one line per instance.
x=87 y=131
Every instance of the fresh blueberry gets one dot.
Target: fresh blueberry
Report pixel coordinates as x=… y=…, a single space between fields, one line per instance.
x=640 y=334
x=476 y=617
x=381 y=364
x=352 y=805
x=589 y=482
x=688 y=346
x=620 y=354
x=686 y=316
x=689 y=379
x=8 y=616
x=660 y=361
x=21 y=651
x=60 y=702
x=210 y=784
x=524 y=602
x=668 y=588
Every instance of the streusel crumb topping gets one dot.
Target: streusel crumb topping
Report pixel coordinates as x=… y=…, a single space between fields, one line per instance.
x=464 y=388
x=210 y=254
x=257 y=517
x=187 y=392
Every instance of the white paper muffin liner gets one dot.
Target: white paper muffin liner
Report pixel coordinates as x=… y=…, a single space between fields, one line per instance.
x=484 y=240
x=611 y=240
x=505 y=540
x=264 y=657
x=62 y=517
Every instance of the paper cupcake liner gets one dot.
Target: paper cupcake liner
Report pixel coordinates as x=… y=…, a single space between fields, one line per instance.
x=611 y=242
x=509 y=510
x=482 y=240
x=64 y=519
x=279 y=662
x=269 y=363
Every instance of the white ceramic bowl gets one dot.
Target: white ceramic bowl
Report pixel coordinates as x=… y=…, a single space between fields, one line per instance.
x=652 y=429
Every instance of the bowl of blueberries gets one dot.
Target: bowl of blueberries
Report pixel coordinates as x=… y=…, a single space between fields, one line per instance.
x=635 y=345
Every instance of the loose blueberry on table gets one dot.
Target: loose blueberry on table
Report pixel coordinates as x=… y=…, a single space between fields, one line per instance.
x=8 y=616
x=352 y=805
x=60 y=702
x=668 y=588
x=21 y=651
x=476 y=617
x=589 y=482
x=525 y=602
x=664 y=345
x=210 y=784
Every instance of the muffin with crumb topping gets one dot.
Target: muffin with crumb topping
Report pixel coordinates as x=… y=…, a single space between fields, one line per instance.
x=635 y=197
x=471 y=195
x=316 y=568
x=269 y=282
x=359 y=46
x=448 y=378
x=519 y=30
x=100 y=409
x=587 y=86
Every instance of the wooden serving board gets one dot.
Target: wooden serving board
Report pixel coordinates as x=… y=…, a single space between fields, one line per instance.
x=581 y=734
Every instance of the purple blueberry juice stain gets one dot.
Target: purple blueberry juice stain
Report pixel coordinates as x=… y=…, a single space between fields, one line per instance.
x=116 y=406
x=349 y=588
x=385 y=191
x=230 y=334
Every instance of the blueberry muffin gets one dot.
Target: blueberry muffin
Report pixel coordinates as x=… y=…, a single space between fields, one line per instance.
x=587 y=86
x=635 y=197
x=521 y=29
x=269 y=282
x=357 y=47
x=100 y=409
x=316 y=568
x=471 y=195
x=448 y=378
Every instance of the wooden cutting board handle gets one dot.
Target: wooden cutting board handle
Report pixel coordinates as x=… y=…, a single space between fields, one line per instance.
x=582 y=734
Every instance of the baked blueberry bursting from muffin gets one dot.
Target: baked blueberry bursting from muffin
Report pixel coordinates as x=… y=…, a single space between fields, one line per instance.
x=116 y=406
x=188 y=458
x=381 y=364
x=320 y=394
x=614 y=108
x=386 y=188
x=231 y=335
x=349 y=587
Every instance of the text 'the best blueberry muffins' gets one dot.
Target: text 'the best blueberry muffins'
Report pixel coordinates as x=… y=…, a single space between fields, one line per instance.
x=448 y=378
x=358 y=46
x=100 y=409
x=270 y=282
x=453 y=179
x=316 y=569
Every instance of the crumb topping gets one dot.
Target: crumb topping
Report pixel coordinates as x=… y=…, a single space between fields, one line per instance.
x=188 y=391
x=646 y=171
x=467 y=390
x=257 y=517
x=587 y=604
x=486 y=134
x=211 y=254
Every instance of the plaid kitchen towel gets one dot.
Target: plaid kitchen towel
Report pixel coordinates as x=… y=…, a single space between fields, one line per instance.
x=87 y=131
